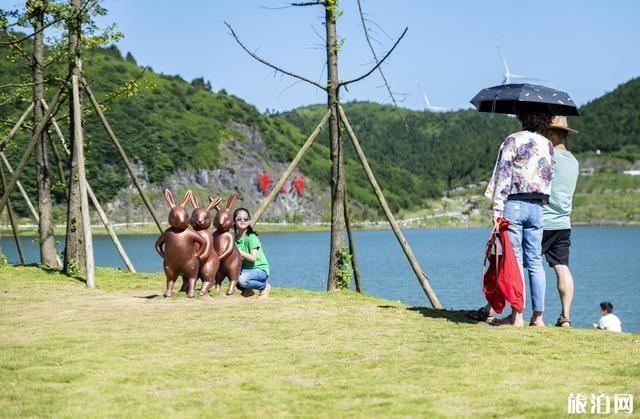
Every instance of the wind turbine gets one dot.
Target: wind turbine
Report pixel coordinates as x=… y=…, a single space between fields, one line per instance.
x=428 y=103
x=508 y=76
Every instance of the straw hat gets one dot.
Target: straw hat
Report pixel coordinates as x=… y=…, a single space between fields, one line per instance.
x=560 y=122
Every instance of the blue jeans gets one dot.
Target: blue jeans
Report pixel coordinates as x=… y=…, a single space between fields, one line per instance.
x=255 y=279
x=525 y=233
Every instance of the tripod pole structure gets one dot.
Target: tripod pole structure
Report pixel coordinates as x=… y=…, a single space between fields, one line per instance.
x=101 y=214
x=32 y=145
x=78 y=148
x=12 y=220
x=123 y=155
x=352 y=246
x=290 y=169
x=422 y=278
x=16 y=127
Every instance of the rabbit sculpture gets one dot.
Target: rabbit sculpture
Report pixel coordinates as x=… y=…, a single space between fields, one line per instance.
x=225 y=246
x=209 y=261
x=181 y=253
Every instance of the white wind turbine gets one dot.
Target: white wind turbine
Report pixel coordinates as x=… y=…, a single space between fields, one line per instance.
x=508 y=76
x=428 y=103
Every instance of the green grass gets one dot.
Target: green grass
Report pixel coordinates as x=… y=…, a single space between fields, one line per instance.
x=121 y=350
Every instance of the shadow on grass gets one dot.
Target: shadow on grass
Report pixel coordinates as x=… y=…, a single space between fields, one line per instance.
x=456 y=316
x=57 y=271
x=149 y=297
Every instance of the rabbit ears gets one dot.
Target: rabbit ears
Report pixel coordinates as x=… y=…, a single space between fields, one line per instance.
x=231 y=200
x=172 y=203
x=213 y=202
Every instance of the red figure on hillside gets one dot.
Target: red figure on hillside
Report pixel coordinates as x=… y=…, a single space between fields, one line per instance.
x=264 y=180
x=298 y=185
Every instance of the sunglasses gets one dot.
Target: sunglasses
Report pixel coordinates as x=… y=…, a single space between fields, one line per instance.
x=242 y=219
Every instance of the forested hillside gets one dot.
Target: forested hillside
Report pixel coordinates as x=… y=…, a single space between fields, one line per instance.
x=612 y=121
x=169 y=124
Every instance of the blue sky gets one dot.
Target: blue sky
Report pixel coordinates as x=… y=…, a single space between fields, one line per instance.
x=585 y=47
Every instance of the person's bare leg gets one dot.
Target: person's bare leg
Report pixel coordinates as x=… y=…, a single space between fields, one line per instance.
x=565 y=288
x=490 y=310
x=536 y=319
x=513 y=319
x=516 y=318
x=265 y=292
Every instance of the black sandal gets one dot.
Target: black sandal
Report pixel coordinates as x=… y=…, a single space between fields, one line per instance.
x=562 y=321
x=481 y=315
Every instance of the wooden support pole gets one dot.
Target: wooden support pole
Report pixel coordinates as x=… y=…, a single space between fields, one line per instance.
x=20 y=188
x=123 y=155
x=59 y=167
x=290 y=169
x=110 y=230
x=25 y=196
x=12 y=220
x=78 y=148
x=32 y=145
x=352 y=246
x=16 y=127
x=422 y=278
x=94 y=199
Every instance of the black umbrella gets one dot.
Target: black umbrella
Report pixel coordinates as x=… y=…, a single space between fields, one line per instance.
x=510 y=98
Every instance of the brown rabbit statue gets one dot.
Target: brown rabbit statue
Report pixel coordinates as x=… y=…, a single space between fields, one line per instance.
x=209 y=261
x=225 y=245
x=180 y=244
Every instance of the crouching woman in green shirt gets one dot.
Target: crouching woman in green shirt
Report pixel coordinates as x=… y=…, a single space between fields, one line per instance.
x=255 y=268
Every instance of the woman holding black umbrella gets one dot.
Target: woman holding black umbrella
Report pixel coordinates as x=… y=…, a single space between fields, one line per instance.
x=519 y=187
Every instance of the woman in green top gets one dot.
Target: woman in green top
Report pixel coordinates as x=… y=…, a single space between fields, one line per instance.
x=255 y=268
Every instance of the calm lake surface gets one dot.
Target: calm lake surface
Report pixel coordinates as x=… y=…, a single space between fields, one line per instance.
x=605 y=262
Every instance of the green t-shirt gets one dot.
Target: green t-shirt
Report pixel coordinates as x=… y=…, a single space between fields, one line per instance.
x=247 y=243
x=565 y=176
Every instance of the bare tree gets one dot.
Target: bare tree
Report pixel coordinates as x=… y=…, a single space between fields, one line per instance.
x=74 y=251
x=338 y=258
x=37 y=10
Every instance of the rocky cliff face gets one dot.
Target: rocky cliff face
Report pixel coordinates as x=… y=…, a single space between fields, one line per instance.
x=243 y=158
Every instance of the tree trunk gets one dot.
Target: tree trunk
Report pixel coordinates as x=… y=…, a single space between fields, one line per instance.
x=337 y=180
x=43 y=179
x=74 y=252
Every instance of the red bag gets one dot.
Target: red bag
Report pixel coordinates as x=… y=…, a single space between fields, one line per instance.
x=501 y=280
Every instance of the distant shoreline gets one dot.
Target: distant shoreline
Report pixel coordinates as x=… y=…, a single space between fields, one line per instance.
x=150 y=228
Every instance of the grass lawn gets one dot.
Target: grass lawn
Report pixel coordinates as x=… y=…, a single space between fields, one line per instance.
x=122 y=350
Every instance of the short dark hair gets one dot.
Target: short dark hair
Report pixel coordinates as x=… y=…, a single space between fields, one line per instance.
x=534 y=121
x=606 y=306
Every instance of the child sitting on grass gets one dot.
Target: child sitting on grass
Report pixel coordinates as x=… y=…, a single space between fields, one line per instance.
x=608 y=321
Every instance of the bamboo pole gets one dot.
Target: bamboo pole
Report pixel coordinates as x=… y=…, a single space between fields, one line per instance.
x=12 y=220
x=16 y=127
x=422 y=278
x=59 y=167
x=352 y=246
x=290 y=169
x=78 y=148
x=92 y=196
x=123 y=155
x=32 y=145
x=110 y=230
x=20 y=188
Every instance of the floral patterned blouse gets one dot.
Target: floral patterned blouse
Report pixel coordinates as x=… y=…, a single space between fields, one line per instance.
x=524 y=166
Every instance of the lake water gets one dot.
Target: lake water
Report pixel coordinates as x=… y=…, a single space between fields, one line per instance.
x=605 y=262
